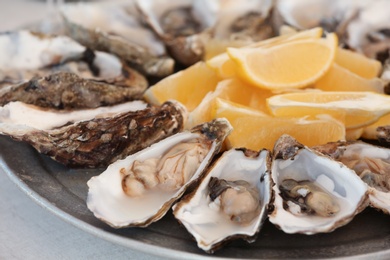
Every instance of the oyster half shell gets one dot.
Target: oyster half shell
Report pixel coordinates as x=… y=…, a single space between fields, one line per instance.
x=92 y=137
x=231 y=202
x=313 y=193
x=371 y=163
x=141 y=188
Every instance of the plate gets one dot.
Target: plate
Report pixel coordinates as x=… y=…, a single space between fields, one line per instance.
x=63 y=191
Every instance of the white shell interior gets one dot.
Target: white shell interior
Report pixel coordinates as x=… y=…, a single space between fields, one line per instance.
x=207 y=224
x=23 y=50
x=338 y=180
x=120 y=20
x=109 y=203
x=378 y=199
x=17 y=118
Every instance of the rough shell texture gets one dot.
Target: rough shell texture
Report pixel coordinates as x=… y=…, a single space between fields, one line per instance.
x=100 y=141
x=132 y=53
x=64 y=90
x=208 y=224
x=371 y=163
x=110 y=202
x=338 y=183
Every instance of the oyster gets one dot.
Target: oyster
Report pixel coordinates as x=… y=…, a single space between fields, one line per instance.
x=313 y=193
x=118 y=30
x=187 y=26
x=91 y=137
x=231 y=202
x=64 y=90
x=55 y=71
x=371 y=163
x=361 y=25
x=141 y=188
x=178 y=26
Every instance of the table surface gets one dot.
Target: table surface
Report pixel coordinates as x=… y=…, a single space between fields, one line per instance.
x=28 y=231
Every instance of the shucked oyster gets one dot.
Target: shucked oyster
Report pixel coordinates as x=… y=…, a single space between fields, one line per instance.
x=141 y=188
x=313 y=193
x=370 y=162
x=117 y=29
x=231 y=201
x=91 y=137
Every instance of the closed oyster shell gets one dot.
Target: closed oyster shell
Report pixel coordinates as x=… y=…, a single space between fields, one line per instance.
x=371 y=163
x=116 y=29
x=93 y=141
x=141 y=188
x=326 y=194
x=205 y=215
x=65 y=90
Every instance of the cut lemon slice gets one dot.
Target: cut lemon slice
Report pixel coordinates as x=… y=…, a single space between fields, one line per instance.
x=233 y=90
x=354 y=109
x=339 y=78
x=188 y=86
x=226 y=68
x=290 y=65
x=358 y=63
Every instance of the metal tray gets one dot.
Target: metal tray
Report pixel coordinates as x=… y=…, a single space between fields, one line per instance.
x=63 y=191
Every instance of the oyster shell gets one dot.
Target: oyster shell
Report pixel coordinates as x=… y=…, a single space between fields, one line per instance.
x=313 y=193
x=175 y=22
x=141 y=188
x=27 y=55
x=231 y=202
x=93 y=137
x=361 y=25
x=371 y=163
x=64 y=90
x=117 y=29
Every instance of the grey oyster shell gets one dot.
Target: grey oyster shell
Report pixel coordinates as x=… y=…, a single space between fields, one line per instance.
x=115 y=36
x=159 y=175
x=312 y=193
x=213 y=217
x=102 y=140
x=64 y=90
x=371 y=163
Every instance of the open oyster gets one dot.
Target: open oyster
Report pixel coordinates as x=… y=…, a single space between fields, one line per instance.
x=141 y=188
x=231 y=202
x=361 y=25
x=91 y=137
x=118 y=30
x=370 y=162
x=313 y=193
x=185 y=26
x=30 y=59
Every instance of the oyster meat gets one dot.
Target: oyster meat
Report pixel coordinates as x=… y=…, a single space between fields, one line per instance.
x=371 y=163
x=117 y=29
x=91 y=137
x=231 y=201
x=313 y=193
x=141 y=188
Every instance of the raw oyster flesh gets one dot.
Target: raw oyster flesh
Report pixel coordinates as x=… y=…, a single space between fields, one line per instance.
x=370 y=162
x=313 y=193
x=65 y=90
x=141 y=188
x=26 y=55
x=231 y=201
x=92 y=137
x=116 y=29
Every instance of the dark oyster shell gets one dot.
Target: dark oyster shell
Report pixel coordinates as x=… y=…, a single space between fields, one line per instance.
x=101 y=141
x=65 y=90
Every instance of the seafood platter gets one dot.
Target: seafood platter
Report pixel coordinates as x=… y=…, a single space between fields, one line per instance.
x=83 y=133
